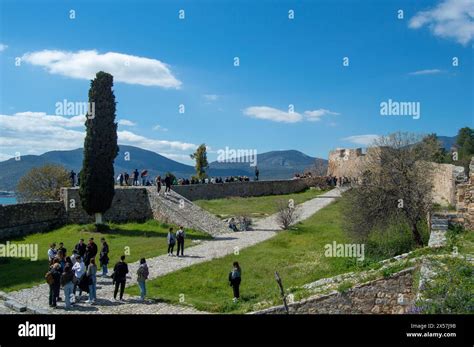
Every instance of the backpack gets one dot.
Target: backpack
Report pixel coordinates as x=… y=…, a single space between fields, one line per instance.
x=49 y=278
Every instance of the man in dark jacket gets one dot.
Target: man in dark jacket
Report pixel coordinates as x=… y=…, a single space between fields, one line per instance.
x=55 y=285
x=167 y=183
x=119 y=277
x=104 y=257
x=81 y=248
x=91 y=252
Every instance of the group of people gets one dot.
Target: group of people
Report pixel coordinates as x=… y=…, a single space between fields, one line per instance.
x=78 y=272
x=335 y=181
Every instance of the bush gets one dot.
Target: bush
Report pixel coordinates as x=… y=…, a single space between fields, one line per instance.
x=450 y=290
x=394 y=239
x=286 y=214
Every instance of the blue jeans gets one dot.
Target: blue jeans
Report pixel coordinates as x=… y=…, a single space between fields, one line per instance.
x=92 y=289
x=67 y=293
x=142 y=289
x=104 y=269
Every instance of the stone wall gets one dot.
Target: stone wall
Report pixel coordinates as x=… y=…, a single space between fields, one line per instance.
x=465 y=199
x=394 y=294
x=351 y=163
x=23 y=219
x=247 y=189
x=129 y=204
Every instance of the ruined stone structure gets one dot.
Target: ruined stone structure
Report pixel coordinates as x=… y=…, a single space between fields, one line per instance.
x=351 y=163
x=378 y=296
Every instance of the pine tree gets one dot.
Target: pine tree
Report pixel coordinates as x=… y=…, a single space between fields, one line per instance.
x=201 y=161
x=100 y=149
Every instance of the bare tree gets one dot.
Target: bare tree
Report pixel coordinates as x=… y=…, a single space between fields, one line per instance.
x=286 y=214
x=319 y=167
x=395 y=184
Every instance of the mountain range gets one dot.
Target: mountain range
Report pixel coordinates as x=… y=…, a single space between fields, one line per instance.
x=271 y=165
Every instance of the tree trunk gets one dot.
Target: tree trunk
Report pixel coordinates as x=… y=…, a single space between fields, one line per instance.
x=98 y=218
x=416 y=235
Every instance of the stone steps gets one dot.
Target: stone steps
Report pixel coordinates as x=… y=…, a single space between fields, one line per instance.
x=439 y=226
x=176 y=209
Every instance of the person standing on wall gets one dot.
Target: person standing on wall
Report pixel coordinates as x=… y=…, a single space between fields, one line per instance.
x=158 y=184
x=180 y=235
x=257 y=173
x=167 y=184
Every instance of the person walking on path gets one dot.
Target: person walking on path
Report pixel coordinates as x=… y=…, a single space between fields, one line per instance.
x=104 y=257
x=54 y=281
x=79 y=270
x=119 y=277
x=91 y=275
x=171 y=238
x=91 y=251
x=66 y=282
x=235 y=277
x=180 y=235
x=81 y=248
x=142 y=276
x=158 y=184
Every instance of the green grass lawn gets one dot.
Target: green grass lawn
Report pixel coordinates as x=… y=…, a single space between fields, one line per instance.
x=142 y=239
x=298 y=256
x=260 y=206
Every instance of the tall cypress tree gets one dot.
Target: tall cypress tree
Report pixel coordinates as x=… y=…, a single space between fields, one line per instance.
x=100 y=148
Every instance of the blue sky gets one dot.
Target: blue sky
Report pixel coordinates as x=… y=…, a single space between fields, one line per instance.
x=160 y=61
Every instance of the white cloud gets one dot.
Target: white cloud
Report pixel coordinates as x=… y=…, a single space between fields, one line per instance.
x=85 y=64
x=315 y=115
x=38 y=132
x=276 y=115
x=451 y=19
x=126 y=122
x=159 y=128
x=364 y=140
x=211 y=97
x=425 y=72
x=3 y=47
x=273 y=114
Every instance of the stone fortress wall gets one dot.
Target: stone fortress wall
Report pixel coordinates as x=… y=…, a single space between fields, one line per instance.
x=350 y=162
x=140 y=204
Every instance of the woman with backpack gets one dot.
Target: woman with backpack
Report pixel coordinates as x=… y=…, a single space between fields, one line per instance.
x=171 y=238
x=142 y=276
x=91 y=275
x=235 y=277
x=66 y=282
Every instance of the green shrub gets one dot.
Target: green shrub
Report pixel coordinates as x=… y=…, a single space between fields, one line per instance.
x=450 y=291
x=394 y=239
x=344 y=287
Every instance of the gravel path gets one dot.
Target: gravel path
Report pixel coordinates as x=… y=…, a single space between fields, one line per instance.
x=220 y=246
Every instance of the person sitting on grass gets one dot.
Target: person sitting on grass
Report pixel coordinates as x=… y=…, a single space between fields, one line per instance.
x=235 y=277
x=142 y=276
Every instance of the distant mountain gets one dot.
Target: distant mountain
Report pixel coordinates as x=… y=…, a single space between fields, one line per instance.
x=447 y=141
x=274 y=164
x=11 y=170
